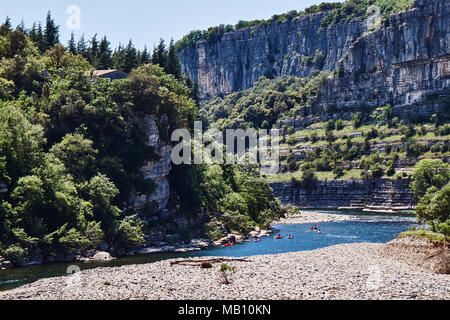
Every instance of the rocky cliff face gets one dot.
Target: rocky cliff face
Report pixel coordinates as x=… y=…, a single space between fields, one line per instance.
x=403 y=62
x=154 y=170
x=374 y=195
x=243 y=56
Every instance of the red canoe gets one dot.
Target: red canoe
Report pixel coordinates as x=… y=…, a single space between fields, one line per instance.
x=228 y=244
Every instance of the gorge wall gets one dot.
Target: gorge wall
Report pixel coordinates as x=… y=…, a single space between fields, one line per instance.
x=405 y=61
x=360 y=195
x=161 y=203
x=241 y=57
x=155 y=170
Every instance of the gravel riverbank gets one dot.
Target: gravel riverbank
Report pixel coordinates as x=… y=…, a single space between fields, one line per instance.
x=349 y=271
x=315 y=217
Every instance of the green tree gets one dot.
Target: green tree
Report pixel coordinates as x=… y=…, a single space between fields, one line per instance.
x=144 y=57
x=93 y=51
x=434 y=206
x=101 y=192
x=357 y=120
x=160 y=54
x=82 y=47
x=104 y=59
x=77 y=154
x=429 y=173
x=130 y=57
x=173 y=63
x=5 y=27
x=51 y=33
x=129 y=233
x=21 y=144
x=71 y=44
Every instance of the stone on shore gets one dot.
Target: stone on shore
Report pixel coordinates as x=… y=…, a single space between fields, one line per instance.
x=102 y=256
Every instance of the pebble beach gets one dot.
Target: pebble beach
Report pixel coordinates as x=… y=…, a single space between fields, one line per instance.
x=399 y=270
x=343 y=272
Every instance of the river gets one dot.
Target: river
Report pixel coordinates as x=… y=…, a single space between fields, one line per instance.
x=367 y=228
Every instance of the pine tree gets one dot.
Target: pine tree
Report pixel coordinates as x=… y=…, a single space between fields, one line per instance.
x=21 y=27
x=194 y=89
x=93 y=50
x=130 y=57
x=155 y=55
x=7 y=23
x=173 y=65
x=160 y=54
x=6 y=27
x=37 y=37
x=51 y=33
x=144 y=57
x=118 y=57
x=104 y=60
x=71 y=45
x=195 y=92
x=82 y=47
x=32 y=33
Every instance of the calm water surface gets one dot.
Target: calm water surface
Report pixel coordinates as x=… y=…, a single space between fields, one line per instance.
x=368 y=228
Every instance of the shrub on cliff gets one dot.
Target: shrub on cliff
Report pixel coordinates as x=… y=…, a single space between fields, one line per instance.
x=308 y=179
x=359 y=9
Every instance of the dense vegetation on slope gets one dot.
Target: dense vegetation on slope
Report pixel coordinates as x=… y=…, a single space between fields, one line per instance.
x=70 y=152
x=98 y=52
x=338 y=11
x=239 y=198
x=350 y=150
x=373 y=144
x=69 y=149
x=367 y=147
x=262 y=105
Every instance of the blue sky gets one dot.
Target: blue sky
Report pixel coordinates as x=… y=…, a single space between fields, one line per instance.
x=145 y=21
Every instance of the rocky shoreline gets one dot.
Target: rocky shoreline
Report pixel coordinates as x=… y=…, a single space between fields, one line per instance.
x=349 y=271
x=103 y=254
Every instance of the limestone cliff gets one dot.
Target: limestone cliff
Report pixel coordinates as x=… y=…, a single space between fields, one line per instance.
x=154 y=170
x=404 y=61
x=373 y=195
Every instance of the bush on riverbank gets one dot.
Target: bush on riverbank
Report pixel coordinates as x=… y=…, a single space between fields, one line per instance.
x=246 y=200
x=426 y=234
x=431 y=186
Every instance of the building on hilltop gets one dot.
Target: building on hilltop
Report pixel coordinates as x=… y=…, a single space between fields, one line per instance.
x=111 y=74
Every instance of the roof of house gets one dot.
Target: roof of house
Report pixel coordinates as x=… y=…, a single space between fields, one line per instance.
x=100 y=73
